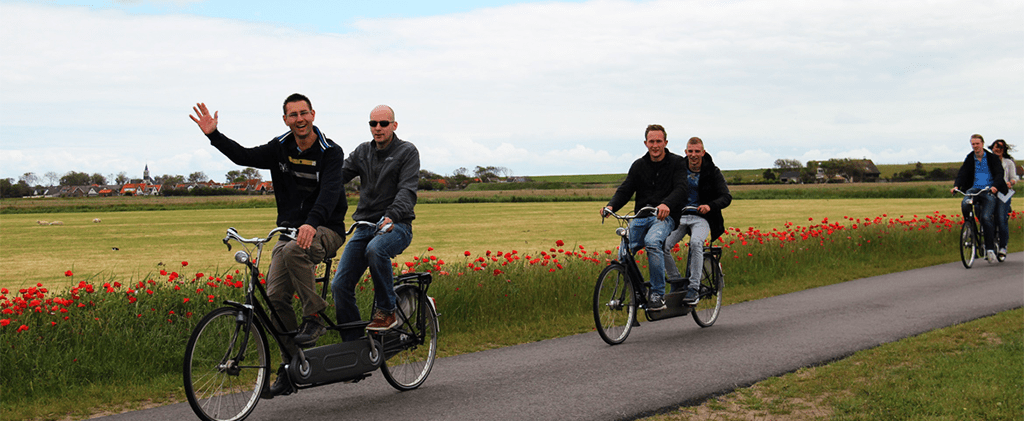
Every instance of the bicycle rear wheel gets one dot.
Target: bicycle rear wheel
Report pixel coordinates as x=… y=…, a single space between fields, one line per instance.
x=711 y=283
x=968 y=247
x=410 y=348
x=614 y=304
x=221 y=382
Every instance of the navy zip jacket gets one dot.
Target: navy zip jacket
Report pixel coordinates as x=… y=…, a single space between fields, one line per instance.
x=965 y=177
x=307 y=184
x=654 y=183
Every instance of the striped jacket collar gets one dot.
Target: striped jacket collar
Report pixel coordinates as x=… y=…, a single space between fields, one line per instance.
x=320 y=138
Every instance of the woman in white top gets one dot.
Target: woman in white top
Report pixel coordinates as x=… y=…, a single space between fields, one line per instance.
x=1002 y=150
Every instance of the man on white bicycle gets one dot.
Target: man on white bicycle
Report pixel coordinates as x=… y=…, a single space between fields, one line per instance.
x=982 y=169
x=706 y=195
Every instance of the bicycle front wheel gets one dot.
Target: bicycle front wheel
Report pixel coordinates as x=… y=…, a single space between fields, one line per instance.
x=614 y=304
x=226 y=366
x=711 y=283
x=411 y=347
x=967 y=244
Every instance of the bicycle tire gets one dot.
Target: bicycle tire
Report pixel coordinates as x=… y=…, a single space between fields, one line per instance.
x=410 y=348
x=712 y=281
x=614 y=304
x=968 y=247
x=217 y=388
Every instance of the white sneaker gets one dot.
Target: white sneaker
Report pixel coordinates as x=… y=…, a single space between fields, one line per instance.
x=990 y=256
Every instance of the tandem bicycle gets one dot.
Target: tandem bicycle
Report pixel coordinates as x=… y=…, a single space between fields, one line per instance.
x=227 y=358
x=621 y=289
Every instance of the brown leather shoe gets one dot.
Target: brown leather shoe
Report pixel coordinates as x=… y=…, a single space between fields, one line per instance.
x=382 y=321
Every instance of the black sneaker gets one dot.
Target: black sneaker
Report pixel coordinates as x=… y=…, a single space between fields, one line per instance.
x=655 y=302
x=281 y=386
x=309 y=332
x=691 y=298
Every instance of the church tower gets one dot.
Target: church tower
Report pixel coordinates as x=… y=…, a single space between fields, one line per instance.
x=145 y=175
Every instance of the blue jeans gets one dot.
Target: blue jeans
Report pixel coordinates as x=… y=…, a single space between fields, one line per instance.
x=366 y=249
x=985 y=208
x=1003 y=219
x=699 y=231
x=650 y=233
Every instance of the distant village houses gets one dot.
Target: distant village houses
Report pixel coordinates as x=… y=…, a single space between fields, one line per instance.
x=149 y=189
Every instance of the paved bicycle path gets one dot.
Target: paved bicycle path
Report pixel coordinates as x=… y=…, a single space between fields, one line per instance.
x=666 y=363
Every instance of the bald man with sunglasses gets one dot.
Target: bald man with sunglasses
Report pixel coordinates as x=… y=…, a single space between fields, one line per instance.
x=388 y=169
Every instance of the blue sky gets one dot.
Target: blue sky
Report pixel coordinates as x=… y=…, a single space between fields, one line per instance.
x=541 y=88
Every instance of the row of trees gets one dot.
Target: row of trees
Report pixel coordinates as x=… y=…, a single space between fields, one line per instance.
x=29 y=182
x=461 y=178
x=75 y=178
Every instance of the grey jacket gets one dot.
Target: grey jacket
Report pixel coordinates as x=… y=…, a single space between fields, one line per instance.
x=388 y=178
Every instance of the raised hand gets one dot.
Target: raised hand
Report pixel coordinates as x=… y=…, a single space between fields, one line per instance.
x=206 y=122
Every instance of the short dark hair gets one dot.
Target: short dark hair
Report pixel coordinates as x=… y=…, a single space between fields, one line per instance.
x=978 y=136
x=295 y=98
x=655 y=127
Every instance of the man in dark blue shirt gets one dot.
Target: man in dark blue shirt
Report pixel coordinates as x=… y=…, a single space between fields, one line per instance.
x=982 y=169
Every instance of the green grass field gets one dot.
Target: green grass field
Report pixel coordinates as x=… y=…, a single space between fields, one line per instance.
x=947 y=374
x=147 y=241
x=73 y=365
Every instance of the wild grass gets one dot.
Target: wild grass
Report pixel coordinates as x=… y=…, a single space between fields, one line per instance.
x=108 y=341
x=971 y=371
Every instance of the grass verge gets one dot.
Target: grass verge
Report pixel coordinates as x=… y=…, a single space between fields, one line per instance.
x=71 y=358
x=971 y=371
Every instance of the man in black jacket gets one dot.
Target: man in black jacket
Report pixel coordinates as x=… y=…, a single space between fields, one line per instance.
x=982 y=169
x=706 y=195
x=305 y=168
x=388 y=169
x=657 y=179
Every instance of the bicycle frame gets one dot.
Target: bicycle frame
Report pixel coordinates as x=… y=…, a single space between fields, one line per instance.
x=970 y=219
x=626 y=259
x=251 y=306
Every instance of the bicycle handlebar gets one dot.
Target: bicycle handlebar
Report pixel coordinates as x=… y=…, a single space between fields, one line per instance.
x=352 y=228
x=985 y=189
x=642 y=210
x=290 y=233
x=233 y=235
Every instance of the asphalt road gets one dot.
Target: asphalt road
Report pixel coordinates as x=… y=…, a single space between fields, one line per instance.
x=666 y=363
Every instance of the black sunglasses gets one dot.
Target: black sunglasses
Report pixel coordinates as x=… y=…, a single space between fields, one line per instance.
x=383 y=123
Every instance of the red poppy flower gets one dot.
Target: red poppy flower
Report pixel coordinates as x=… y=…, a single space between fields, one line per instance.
x=559 y=243
x=68 y=273
x=184 y=263
x=467 y=253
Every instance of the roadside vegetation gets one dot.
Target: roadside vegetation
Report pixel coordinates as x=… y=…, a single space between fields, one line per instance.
x=970 y=371
x=85 y=341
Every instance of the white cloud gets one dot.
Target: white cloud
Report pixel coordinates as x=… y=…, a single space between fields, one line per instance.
x=540 y=88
